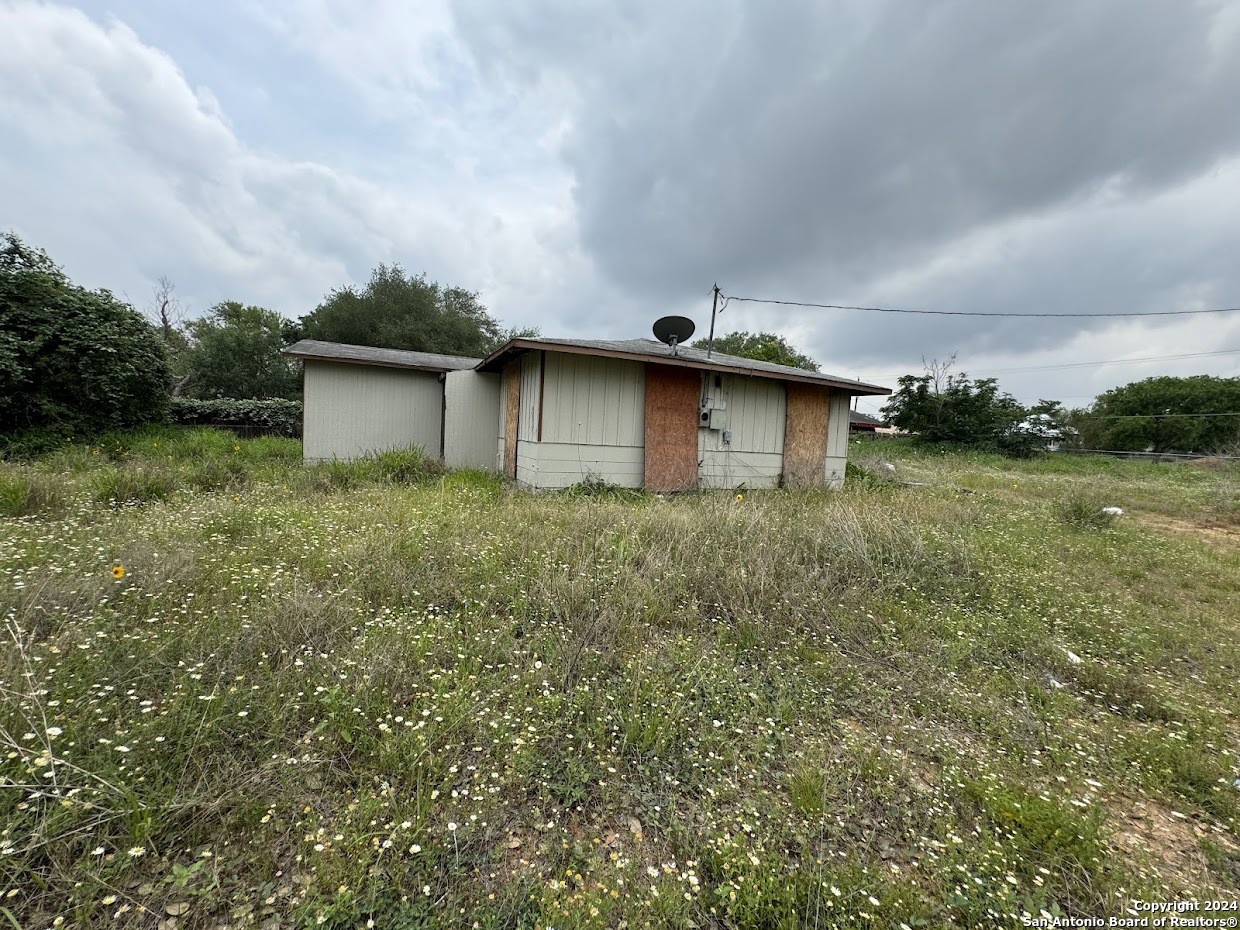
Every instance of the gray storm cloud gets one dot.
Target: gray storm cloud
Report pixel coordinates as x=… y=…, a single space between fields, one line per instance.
x=813 y=150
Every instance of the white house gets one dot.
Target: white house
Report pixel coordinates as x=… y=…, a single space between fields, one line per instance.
x=551 y=413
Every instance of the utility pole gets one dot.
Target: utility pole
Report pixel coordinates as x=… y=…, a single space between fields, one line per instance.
x=714 y=306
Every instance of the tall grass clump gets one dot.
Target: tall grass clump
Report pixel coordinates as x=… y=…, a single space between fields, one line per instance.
x=25 y=493
x=127 y=485
x=1085 y=512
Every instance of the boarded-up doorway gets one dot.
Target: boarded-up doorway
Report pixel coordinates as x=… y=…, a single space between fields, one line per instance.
x=671 y=440
x=512 y=411
x=805 y=435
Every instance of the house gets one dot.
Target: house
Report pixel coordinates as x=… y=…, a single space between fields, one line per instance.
x=859 y=422
x=551 y=413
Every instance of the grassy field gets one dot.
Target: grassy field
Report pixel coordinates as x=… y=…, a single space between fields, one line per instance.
x=240 y=692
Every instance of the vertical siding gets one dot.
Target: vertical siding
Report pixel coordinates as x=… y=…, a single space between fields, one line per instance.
x=471 y=409
x=592 y=416
x=357 y=410
x=757 y=411
x=837 y=438
x=593 y=401
x=531 y=379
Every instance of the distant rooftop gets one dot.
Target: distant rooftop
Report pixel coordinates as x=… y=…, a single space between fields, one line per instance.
x=856 y=416
x=368 y=355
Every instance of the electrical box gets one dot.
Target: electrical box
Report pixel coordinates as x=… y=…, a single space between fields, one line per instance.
x=718 y=418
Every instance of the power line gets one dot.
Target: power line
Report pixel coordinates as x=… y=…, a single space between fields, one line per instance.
x=797 y=303
x=1113 y=361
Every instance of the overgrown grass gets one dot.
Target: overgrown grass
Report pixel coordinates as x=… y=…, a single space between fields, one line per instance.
x=239 y=691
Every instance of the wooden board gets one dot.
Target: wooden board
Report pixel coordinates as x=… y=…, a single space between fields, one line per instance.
x=512 y=413
x=671 y=428
x=805 y=435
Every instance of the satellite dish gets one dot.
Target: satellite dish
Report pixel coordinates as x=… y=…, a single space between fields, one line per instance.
x=673 y=330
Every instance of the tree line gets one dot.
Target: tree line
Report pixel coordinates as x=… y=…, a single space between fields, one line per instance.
x=1195 y=414
x=83 y=361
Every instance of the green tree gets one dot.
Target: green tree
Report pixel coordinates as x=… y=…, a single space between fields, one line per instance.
x=396 y=310
x=71 y=358
x=765 y=347
x=1165 y=414
x=235 y=352
x=940 y=406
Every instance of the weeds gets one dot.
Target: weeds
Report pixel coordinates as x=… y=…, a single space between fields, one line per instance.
x=1086 y=513
x=241 y=691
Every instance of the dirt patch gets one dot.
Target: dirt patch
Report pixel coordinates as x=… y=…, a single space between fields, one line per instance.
x=1209 y=462
x=1214 y=533
x=1171 y=841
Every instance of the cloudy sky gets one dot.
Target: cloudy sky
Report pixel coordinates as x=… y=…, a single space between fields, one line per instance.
x=589 y=167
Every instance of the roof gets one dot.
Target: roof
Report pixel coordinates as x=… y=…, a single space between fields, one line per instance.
x=856 y=416
x=314 y=350
x=648 y=350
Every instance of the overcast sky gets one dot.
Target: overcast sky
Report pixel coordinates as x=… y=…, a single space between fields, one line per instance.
x=590 y=167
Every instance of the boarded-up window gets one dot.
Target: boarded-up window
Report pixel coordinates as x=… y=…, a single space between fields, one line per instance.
x=671 y=428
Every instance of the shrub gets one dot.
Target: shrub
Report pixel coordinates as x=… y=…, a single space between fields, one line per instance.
x=275 y=417
x=72 y=358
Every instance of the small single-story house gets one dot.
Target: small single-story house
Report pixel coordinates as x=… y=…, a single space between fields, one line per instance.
x=859 y=422
x=551 y=413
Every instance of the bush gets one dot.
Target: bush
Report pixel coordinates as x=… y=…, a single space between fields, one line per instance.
x=273 y=417
x=70 y=358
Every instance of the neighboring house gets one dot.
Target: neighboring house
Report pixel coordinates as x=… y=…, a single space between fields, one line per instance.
x=625 y=412
x=859 y=422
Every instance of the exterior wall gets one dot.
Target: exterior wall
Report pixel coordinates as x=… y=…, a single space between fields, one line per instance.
x=756 y=411
x=837 y=439
x=590 y=417
x=356 y=410
x=805 y=435
x=670 y=429
x=471 y=408
x=593 y=401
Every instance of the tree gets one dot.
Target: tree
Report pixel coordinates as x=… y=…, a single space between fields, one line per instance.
x=764 y=347
x=1165 y=414
x=167 y=313
x=942 y=407
x=71 y=358
x=235 y=352
x=396 y=310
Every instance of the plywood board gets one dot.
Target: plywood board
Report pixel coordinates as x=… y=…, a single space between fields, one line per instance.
x=671 y=428
x=805 y=435
x=512 y=412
